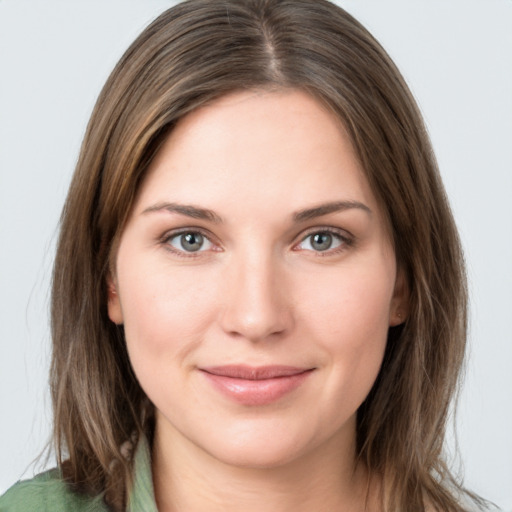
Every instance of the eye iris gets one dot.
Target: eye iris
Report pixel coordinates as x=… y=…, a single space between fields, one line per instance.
x=321 y=241
x=191 y=241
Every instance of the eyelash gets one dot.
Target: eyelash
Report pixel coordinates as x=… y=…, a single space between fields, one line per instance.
x=346 y=239
x=165 y=241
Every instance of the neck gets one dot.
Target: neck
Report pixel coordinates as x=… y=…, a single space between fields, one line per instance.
x=186 y=478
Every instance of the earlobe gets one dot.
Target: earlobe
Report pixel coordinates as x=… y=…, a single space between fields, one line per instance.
x=396 y=318
x=399 y=310
x=114 y=304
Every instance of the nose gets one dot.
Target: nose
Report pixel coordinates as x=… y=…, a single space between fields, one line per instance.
x=257 y=304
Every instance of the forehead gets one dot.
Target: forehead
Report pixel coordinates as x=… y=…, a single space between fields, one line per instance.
x=258 y=146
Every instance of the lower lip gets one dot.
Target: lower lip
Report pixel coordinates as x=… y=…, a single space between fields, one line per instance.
x=257 y=392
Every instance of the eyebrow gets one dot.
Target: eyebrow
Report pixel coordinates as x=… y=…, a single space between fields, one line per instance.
x=188 y=210
x=196 y=212
x=326 y=208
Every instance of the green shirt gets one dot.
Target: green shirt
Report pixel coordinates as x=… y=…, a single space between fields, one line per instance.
x=47 y=492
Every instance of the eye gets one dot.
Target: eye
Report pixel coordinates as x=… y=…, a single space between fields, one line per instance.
x=322 y=241
x=189 y=241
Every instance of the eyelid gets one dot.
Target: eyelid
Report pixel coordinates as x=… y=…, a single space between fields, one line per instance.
x=168 y=235
x=346 y=237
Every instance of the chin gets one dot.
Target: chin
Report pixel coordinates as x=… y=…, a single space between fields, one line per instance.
x=258 y=455
x=260 y=446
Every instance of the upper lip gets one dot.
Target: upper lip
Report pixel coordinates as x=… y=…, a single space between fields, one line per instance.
x=254 y=372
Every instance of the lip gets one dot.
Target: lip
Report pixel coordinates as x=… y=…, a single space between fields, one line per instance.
x=254 y=386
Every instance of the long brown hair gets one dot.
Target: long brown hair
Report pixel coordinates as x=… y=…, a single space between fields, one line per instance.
x=189 y=56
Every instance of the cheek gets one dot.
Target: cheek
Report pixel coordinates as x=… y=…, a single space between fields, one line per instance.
x=348 y=317
x=165 y=315
x=351 y=305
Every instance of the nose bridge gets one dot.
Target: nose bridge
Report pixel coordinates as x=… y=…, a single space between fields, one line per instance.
x=256 y=305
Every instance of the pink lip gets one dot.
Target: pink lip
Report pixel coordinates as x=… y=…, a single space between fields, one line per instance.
x=256 y=385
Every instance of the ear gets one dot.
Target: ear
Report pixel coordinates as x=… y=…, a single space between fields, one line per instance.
x=114 y=304
x=399 y=309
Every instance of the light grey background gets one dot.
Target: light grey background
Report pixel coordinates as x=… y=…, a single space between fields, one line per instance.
x=456 y=56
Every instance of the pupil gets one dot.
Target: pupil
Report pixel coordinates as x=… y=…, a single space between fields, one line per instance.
x=192 y=241
x=322 y=241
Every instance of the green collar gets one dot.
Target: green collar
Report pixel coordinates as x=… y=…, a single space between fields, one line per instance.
x=142 y=496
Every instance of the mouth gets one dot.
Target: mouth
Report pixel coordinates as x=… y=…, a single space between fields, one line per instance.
x=253 y=386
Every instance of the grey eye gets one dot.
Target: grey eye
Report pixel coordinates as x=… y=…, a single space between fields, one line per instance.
x=190 y=241
x=322 y=241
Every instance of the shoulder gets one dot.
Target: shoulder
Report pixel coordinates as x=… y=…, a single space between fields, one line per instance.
x=47 y=492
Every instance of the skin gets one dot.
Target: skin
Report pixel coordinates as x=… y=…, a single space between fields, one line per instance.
x=258 y=292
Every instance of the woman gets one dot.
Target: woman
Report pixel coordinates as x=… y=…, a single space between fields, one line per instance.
x=220 y=344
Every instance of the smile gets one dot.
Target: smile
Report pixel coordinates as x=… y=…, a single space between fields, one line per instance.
x=255 y=385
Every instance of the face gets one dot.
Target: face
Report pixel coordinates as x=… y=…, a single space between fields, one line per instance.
x=256 y=281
